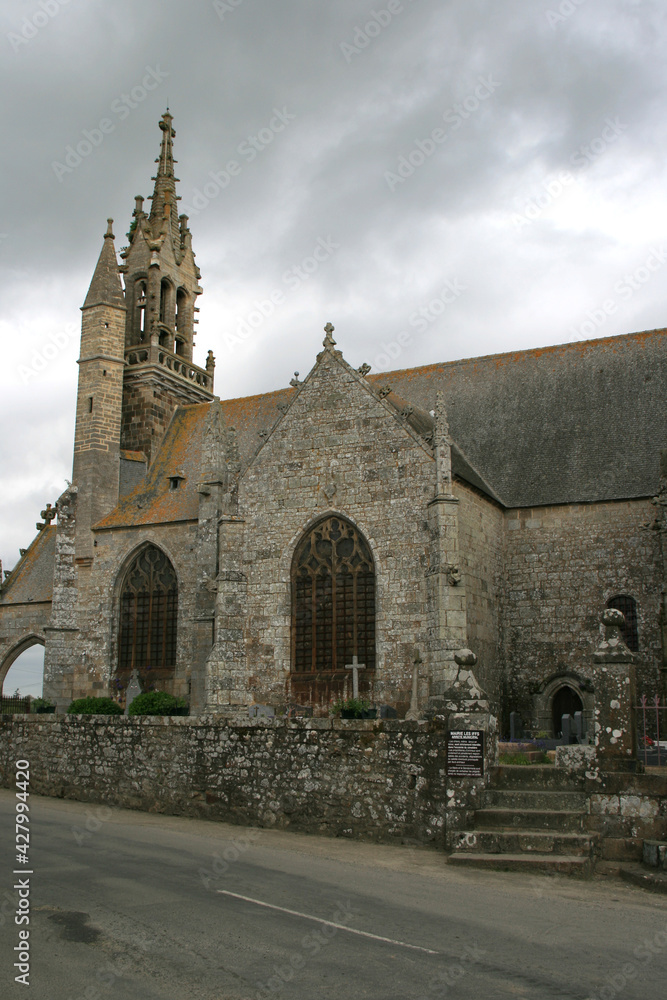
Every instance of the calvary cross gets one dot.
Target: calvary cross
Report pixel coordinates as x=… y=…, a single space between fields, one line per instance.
x=355 y=667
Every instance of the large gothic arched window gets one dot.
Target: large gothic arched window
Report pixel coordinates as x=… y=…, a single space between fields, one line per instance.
x=148 y=613
x=333 y=598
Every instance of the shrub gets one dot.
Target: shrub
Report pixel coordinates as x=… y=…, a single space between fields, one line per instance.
x=94 y=706
x=356 y=705
x=158 y=703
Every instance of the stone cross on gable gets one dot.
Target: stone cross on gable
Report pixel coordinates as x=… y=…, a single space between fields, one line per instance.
x=328 y=340
x=355 y=667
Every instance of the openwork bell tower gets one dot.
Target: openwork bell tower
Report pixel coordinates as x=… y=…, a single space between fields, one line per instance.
x=161 y=289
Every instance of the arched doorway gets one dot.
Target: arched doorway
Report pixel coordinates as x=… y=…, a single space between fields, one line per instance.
x=565 y=701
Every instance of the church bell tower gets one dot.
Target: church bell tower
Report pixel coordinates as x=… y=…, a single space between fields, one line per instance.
x=161 y=289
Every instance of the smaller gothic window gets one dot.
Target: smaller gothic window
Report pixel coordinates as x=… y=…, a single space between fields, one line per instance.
x=628 y=605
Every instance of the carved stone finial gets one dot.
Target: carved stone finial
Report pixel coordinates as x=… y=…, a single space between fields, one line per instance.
x=383 y=391
x=364 y=369
x=407 y=411
x=328 y=341
x=283 y=407
x=613 y=647
x=210 y=361
x=294 y=382
x=263 y=433
x=109 y=233
x=465 y=658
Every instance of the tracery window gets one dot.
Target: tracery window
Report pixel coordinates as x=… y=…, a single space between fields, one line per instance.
x=628 y=605
x=333 y=598
x=148 y=617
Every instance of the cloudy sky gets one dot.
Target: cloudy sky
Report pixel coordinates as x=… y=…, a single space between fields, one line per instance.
x=477 y=176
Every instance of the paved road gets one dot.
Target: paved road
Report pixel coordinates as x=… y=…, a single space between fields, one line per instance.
x=128 y=906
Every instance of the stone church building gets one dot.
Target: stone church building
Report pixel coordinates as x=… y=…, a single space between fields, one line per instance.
x=245 y=551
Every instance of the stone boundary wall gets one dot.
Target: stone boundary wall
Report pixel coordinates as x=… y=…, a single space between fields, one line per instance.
x=380 y=780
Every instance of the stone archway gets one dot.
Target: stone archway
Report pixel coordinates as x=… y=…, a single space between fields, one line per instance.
x=565 y=701
x=12 y=654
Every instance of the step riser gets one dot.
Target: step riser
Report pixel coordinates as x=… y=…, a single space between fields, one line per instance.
x=558 y=822
x=490 y=842
x=577 y=867
x=536 y=776
x=524 y=799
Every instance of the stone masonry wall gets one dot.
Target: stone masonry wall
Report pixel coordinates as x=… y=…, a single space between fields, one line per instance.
x=378 y=781
x=562 y=565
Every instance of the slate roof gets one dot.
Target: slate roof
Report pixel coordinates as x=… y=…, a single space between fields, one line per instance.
x=573 y=423
x=31 y=580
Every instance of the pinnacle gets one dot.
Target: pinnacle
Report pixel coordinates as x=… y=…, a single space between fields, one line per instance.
x=105 y=287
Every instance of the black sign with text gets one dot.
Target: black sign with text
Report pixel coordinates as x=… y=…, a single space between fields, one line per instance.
x=465 y=753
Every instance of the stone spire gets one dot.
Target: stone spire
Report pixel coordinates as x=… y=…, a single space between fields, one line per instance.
x=164 y=201
x=106 y=288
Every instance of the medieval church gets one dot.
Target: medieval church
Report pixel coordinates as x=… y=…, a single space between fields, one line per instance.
x=249 y=551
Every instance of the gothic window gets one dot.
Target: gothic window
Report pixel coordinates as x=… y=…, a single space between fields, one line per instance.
x=148 y=612
x=140 y=299
x=333 y=598
x=628 y=605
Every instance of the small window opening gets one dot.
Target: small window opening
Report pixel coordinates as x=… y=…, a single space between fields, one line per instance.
x=90 y=404
x=175 y=482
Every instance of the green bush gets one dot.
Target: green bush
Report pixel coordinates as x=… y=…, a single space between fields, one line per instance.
x=158 y=703
x=94 y=706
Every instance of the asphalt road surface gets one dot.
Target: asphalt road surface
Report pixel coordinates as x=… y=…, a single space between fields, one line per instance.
x=129 y=906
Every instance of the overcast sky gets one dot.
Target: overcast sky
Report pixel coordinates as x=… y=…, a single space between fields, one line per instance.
x=478 y=176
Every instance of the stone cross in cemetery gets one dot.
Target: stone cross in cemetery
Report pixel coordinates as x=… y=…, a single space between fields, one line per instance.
x=355 y=667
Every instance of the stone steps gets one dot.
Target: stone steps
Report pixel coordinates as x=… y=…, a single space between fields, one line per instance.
x=534 y=818
x=533 y=798
x=556 y=820
x=527 y=842
x=562 y=864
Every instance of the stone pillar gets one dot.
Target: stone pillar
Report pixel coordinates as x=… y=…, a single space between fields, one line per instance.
x=62 y=632
x=447 y=623
x=226 y=674
x=615 y=698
